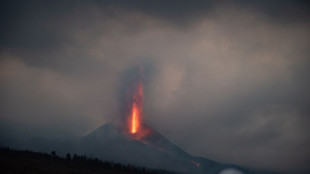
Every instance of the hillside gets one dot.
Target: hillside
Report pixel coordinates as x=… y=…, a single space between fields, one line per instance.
x=24 y=161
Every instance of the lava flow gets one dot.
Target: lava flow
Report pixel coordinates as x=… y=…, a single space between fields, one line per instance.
x=135 y=117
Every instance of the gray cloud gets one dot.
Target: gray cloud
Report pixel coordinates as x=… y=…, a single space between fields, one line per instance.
x=227 y=80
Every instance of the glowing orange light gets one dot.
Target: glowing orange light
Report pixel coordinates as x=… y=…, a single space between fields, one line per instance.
x=135 y=119
x=136 y=110
x=197 y=164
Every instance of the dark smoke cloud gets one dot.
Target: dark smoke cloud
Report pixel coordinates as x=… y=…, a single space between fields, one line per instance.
x=226 y=80
x=130 y=80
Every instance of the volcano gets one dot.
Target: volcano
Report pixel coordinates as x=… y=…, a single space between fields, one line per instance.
x=131 y=141
x=152 y=150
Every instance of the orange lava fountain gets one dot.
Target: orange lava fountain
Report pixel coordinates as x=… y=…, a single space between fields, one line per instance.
x=135 y=117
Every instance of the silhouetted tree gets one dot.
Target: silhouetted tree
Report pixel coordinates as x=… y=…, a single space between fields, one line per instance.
x=75 y=157
x=53 y=153
x=68 y=157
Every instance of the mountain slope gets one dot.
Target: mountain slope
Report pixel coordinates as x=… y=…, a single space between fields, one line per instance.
x=151 y=150
x=110 y=143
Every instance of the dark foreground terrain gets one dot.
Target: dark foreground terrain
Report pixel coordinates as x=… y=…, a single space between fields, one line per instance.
x=24 y=161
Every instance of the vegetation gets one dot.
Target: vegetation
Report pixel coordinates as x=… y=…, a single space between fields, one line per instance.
x=24 y=161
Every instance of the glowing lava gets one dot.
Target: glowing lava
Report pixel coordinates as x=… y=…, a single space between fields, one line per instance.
x=197 y=164
x=135 y=117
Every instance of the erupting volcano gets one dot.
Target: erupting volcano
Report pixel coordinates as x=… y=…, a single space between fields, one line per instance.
x=134 y=142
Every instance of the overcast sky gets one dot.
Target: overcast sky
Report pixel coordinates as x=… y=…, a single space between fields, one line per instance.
x=228 y=80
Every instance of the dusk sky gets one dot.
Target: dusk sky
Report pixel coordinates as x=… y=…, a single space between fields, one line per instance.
x=226 y=80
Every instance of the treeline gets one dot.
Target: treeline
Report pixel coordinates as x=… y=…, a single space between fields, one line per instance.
x=25 y=161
